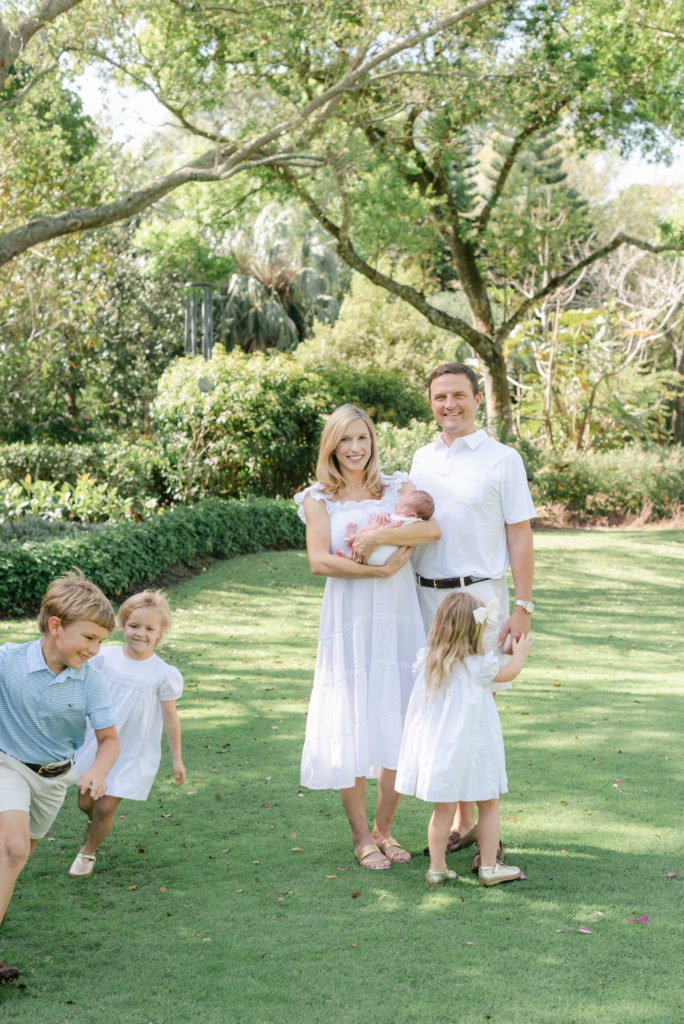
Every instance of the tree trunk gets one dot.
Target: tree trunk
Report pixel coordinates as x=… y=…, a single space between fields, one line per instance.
x=498 y=397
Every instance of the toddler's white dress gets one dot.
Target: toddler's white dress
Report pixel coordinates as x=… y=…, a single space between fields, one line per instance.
x=137 y=689
x=370 y=630
x=452 y=748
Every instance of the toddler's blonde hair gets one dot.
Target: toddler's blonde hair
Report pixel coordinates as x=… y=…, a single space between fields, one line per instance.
x=73 y=598
x=146 y=599
x=454 y=634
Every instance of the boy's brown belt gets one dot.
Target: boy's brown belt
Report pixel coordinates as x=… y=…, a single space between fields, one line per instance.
x=49 y=771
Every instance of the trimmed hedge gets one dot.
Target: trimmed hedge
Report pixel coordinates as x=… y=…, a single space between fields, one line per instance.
x=126 y=555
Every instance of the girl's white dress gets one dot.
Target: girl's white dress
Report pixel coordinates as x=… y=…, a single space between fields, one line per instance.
x=452 y=748
x=370 y=630
x=137 y=689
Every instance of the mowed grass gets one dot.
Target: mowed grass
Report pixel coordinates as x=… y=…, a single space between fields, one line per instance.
x=236 y=898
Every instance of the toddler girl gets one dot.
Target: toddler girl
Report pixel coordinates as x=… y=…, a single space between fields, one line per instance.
x=452 y=746
x=144 y=691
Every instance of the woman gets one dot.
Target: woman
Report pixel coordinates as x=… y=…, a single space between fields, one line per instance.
x=370 y=631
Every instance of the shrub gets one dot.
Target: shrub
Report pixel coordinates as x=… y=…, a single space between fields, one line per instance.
x=385 y=395
x=126 y=555
x=614 y=483
x=396 y=445
x=133 y=467
x=239 y=424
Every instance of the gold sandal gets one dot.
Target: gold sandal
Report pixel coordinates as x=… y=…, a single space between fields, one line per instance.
x=366 y=851
x=384 y=843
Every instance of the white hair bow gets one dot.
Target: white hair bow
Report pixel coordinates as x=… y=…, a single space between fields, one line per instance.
x=487 y=612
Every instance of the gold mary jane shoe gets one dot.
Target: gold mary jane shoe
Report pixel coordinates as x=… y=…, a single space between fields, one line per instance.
x=436 y=878
x=83 y=865
x=499 y=873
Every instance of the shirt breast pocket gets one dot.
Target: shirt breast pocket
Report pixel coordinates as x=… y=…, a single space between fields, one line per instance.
x=470 y=489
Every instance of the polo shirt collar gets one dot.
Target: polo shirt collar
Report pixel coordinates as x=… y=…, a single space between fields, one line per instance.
x=35 y=662
x=471 y=441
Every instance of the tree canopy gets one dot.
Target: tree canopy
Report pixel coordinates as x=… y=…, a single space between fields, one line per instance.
x=406 y=136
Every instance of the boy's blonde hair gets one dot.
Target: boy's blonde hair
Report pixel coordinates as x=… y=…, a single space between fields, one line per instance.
x=327 y=469
x=146 y=599
x=454 y=634
x=73 y=598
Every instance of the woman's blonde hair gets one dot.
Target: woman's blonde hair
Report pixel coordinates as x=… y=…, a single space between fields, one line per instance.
x=327 y=468
x=146 y=599
x=453 y=635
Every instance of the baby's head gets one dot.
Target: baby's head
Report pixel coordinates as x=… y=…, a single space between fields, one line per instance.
x=144 y=618
x=416 y=503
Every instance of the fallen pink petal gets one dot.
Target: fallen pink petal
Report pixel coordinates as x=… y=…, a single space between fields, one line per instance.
x=558 y=930
x=523 y=878
x=585 y=931
x=638 y=920
x=671 y=874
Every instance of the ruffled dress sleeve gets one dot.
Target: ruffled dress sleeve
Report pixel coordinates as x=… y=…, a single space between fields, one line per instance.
x=393 y=483
x=315 y=491
x=172 y=684
x=483 y=668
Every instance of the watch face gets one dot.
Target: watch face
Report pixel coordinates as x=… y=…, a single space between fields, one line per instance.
x=527 y=605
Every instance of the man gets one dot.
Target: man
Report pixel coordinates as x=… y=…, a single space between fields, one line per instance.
x=483 y=507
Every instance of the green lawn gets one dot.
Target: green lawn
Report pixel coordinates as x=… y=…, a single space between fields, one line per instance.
x=236 y=898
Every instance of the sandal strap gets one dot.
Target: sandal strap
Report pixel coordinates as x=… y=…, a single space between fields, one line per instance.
x=366 y=850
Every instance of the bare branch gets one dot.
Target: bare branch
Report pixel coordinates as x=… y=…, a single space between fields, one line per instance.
x=560 y=279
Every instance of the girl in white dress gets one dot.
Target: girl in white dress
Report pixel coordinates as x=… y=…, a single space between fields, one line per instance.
x=452 y=748
x=370 y=630
x=144 y=691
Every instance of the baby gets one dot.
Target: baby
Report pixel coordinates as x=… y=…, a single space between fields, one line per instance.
x=413 y=505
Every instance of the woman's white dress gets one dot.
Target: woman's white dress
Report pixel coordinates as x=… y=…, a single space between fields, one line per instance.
x=137 y=689
x=370 y=630
x=453 y=748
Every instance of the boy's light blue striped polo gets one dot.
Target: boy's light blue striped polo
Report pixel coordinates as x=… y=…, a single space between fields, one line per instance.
x=43 y=716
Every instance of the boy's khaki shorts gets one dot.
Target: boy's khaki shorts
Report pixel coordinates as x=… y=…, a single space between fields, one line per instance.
x=23 y=790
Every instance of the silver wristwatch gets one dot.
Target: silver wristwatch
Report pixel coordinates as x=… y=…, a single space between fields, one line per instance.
x=527 y=605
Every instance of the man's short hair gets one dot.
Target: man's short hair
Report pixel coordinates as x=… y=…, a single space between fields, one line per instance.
x=73 y=598
x=456 y=368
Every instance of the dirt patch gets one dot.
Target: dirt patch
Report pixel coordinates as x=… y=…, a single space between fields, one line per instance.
x=556 y=517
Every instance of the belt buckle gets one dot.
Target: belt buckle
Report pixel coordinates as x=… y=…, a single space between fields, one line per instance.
x=436 y=582
x=43 y=770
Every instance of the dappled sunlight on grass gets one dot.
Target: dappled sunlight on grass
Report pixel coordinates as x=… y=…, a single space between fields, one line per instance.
x=261 y=889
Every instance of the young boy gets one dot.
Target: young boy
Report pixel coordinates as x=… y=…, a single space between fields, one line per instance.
x=47 y=691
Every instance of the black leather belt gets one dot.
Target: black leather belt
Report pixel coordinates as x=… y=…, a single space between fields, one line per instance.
x=451 y=583
x=49 y=771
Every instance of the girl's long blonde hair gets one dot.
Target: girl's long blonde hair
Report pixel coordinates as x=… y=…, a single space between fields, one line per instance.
x=327 y=468
x=454 y=634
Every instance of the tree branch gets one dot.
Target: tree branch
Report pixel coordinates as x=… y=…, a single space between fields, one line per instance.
x=518 y=143
x=560 y=279
x=13 y=41
x=216 y=164
x=480 y=342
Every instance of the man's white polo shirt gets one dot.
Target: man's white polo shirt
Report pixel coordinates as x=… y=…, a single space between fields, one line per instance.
x=479 y=486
